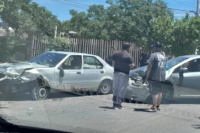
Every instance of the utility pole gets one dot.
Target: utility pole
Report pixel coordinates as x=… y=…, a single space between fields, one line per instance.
x=198 y=6
x=55 y=32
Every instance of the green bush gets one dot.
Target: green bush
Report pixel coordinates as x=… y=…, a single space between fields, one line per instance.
x=7 y=47
x=58 y=44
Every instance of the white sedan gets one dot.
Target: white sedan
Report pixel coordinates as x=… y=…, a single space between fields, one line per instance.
x=66 y=71
x=182 y=80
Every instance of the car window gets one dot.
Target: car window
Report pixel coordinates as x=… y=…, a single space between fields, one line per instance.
x=177 y=70
x=49 y=58
x=91 y=62
x=193 y=65
x=175 y=61
x=72 y=62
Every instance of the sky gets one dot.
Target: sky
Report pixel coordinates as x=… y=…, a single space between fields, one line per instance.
x=61 y=8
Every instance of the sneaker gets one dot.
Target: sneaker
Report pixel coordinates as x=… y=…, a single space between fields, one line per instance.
x=145 y=84
x=158 y=108
x=152 y=109
x=117 y=107
x=121 y=108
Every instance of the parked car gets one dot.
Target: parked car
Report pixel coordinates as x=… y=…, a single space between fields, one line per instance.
x=66 y=71
x=182 y=80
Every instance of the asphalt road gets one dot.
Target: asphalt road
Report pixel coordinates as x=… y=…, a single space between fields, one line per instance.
x=69 y=112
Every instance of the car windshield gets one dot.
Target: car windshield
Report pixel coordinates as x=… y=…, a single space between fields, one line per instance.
x=175 y=61
x=49 y=59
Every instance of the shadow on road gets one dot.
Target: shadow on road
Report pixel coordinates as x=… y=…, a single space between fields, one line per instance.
x=196 y=126
x=185 y=101
x=55 y=95
x=140 y=109
x=172 y=101
x=27 y=97
x=106 y=107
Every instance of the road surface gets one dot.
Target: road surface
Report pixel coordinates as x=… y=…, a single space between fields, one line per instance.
x=94 y=113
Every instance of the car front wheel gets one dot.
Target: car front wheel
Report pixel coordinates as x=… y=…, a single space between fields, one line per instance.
x=40 y=93
x=167 y=93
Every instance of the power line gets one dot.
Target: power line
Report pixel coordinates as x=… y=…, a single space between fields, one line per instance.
x=70 y=4
x=182 y=3
x=81 y=5
x=76 y=3
x=174 y=9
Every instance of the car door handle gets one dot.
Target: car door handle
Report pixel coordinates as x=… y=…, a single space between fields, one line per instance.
x=78 y=72
x=101 y=71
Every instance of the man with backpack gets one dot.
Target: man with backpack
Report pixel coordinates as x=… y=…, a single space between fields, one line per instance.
x=156 y=72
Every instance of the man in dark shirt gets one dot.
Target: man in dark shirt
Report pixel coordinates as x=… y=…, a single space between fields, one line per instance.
x=109 y=60
x=122 y=63
x=156 y=72
x=144 y=56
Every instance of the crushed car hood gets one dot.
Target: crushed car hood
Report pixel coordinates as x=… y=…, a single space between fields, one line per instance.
x=144 y=69
x=17 y=69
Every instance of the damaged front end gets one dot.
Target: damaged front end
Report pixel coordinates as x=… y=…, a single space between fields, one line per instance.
x=20 y=78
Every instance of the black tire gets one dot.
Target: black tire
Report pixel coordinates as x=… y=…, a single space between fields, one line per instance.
x=105 y=87
x=167 y=93
x=40 y=93
x=128 y=100
x=149 y=100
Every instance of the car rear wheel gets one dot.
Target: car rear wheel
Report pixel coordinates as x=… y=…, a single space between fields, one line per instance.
x=105 y=87
x=40 y=93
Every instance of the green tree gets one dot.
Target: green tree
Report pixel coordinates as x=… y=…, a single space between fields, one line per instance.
x=186 y=35
x=125 y=20
x=27 y=17
x=58 y=44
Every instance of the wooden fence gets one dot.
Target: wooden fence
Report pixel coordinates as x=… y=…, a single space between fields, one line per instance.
x=101 y=48
x=36 y=46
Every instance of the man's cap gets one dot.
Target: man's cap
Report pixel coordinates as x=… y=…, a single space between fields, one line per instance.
x=157 y=45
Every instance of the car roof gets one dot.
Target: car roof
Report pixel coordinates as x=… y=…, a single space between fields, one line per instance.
x=191 y=56
x=70 y=53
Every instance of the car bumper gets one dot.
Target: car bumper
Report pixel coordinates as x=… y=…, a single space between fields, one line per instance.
x=137 y=93
x=10 y=85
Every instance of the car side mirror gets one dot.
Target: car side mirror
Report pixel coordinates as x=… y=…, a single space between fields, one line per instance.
x=183 y=70
x=61 y=72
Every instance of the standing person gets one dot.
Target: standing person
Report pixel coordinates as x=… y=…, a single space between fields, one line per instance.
x=122 y=63
x=144 y=56
x=109 y=60
x=156 y=72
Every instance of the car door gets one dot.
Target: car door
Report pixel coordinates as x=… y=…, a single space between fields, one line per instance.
x=71 y=70
x=188 y=82
x=92 y=72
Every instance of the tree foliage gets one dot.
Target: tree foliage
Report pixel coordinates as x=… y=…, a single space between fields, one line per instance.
x=27 y=17
x=58 y=44
x=142 y=22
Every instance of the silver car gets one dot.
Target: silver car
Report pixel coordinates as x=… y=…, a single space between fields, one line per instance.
x=64 y=71
x=182 y=80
